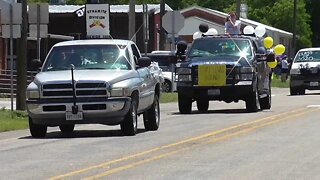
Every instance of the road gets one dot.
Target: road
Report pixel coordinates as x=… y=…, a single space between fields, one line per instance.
x=225 y=143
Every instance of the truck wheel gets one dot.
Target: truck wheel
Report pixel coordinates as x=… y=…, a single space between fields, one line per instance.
x=252 y=102
x=294 y=91
x=166 y=86
x=37 y=130
x=67 y=128
x=185 y=104
x=265 y=103
x=151 y=119
x=203 y=105
x=129 y=125
x=302 y=91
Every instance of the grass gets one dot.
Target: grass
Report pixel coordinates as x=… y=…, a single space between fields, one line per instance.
x=168 y=97
x=277 y=83
x=13 y=120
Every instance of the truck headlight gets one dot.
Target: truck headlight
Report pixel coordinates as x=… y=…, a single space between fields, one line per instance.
x=246 y=73
x=184 y=77
x=33 y=94
x=119 y=92
x=295 y=71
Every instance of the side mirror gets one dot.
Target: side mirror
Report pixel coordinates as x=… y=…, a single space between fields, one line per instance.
x=35 y=64
x=181 y=50
x=144 y=62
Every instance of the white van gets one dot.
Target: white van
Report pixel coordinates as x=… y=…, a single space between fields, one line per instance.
x=305 y=71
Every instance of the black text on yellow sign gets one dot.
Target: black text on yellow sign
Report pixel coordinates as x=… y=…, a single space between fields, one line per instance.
x=212 y=75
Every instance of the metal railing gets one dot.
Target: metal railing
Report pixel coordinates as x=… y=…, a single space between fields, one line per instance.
x=5 y=81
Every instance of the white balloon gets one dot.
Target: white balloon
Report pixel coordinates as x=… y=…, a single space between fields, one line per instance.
x=260 y=31
x=248 y=30
x=211 y=32
x=197 y=35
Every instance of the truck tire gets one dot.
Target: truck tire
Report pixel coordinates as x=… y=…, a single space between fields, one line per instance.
x=129 y=126
x=37 y=130
x=302 y=91
x=185 y=104
x=252 y=102
x=66 y=128
x=294 y=91
x=202 y=105
x=166 y=86
x=151 y=118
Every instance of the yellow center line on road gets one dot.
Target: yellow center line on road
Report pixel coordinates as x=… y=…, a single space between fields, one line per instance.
x=194 y=139
x=225 y=137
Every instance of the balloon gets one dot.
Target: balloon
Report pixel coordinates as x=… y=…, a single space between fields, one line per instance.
x=203 y=27
x=268 y=42
x=248 y=30
x=260 y=31
x=272 y=64
x=211 y=32
x=279 y=49
x=196 y=35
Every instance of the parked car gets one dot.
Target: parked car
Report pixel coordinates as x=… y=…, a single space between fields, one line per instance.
x=305 y=71
x=166 y=61
x=94 y=81
x=224 y=68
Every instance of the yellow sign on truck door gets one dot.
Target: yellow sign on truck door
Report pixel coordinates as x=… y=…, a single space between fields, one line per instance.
x=212 y=75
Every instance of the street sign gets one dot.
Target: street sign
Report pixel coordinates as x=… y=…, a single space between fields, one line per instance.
x=16 y=31
x=173 y=21
x=44 y=13
x=43 y=30
x=16 y=12
x=97 y=20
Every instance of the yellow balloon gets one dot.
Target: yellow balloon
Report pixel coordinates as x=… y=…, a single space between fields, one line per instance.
x=268 y=42
x=272 y=64
x=279 y=49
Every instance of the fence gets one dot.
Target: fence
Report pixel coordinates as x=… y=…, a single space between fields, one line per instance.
x=5 y=81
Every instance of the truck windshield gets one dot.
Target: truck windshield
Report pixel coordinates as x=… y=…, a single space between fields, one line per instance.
x=308 y=56
x=88 y=57
x=214 y=48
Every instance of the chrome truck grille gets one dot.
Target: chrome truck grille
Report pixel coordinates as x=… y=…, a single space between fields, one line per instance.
x=64 y=90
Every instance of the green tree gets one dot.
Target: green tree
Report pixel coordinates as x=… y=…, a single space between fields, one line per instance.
x=219 y=5
x=279 y=14
x=313 y=7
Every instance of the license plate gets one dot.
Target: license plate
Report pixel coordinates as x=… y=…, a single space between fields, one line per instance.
x=74 y=117
x=314 y=83
x=213 y=92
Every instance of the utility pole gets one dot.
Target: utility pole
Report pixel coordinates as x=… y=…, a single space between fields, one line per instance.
x=294 y=28
x=21 y=63
x=162 y=33
x=238 y=4
x=132 y=20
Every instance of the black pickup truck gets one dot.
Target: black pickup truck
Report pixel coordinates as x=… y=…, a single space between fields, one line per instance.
x=224 y=68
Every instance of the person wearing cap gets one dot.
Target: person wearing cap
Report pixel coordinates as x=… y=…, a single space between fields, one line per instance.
x=232 y=25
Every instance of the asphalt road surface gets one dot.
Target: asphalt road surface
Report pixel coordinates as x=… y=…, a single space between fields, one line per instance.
x=225 y=143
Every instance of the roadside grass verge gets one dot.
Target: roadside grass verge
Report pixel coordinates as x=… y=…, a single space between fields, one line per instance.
x=13 y=120
x=168 y=97
x=275 y=82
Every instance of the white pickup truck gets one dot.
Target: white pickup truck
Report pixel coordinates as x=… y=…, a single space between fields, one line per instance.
x=94 y=81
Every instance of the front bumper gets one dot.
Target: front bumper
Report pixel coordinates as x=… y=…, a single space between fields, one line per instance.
x=311 y=82
x=227 y=93
x=52 y=112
